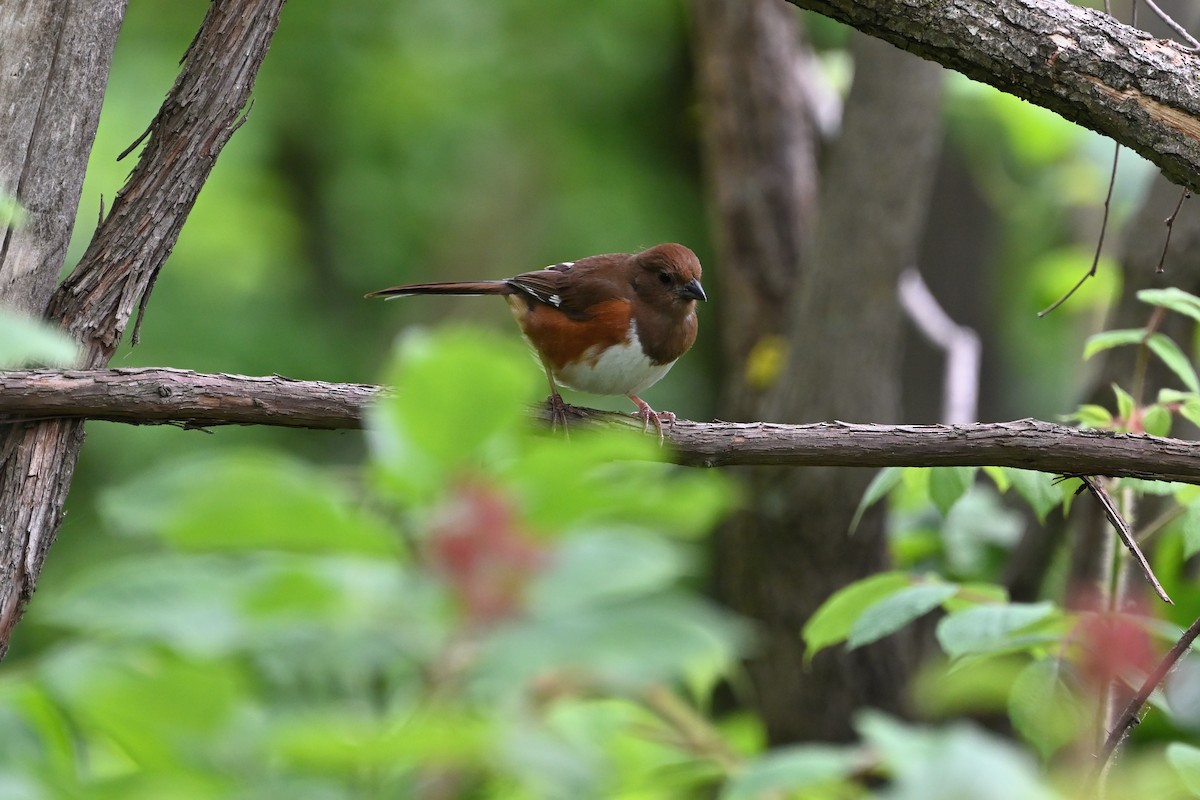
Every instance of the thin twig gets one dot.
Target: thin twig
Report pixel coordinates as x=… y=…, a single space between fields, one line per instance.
x=1118 y=522
x=697 y=734
x=1129 y=717
x=1173 y=25
x=1170 y=223
x=1112 y=182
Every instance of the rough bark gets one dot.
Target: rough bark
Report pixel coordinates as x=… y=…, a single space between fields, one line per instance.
x=1078 y=62
x=53 y=69
x=117 y=272
x=156 y=396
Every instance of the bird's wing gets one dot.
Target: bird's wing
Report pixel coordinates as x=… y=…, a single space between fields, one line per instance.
x=543 y=285
x=574 y=287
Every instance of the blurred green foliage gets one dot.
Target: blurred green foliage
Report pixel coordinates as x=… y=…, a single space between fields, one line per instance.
x=27 y=342
x=479 y=611
x=483 y=609
x=484 y=606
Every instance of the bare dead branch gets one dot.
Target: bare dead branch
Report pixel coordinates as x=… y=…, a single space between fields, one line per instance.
x=156 y=396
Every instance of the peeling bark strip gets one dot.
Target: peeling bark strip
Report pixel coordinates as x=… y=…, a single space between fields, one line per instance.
x=157 y=396
x=1077 y=62
x=117 y=272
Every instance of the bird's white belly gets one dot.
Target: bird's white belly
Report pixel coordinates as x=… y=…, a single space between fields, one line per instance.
x=621 y=369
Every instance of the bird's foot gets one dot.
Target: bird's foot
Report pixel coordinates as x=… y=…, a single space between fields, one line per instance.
x=560 y=410
x=650 y=417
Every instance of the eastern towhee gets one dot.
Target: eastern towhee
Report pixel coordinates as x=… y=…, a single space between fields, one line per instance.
x=607 y=324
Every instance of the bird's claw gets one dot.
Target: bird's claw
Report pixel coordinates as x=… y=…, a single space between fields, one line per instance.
x=658 y=418
x=559 y=411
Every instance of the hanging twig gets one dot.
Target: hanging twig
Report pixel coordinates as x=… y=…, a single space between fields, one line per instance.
x=1170 y=223
x=1123 y=530
x=1112 y=182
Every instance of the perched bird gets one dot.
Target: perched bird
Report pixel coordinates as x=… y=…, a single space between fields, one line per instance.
x=607 y=324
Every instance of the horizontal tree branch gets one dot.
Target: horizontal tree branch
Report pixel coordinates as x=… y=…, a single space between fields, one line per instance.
x=161 y=396
x=1079 y=62
x=155 y=396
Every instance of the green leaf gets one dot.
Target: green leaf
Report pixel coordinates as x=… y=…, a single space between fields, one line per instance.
x=1190 y=411
x=1151 y=487
x=1189 y=526
x=1090 y=415
x=988 y=627
x=1174 y=299
x=12 y=213
x=790 y=769
x=1042 y=707
x=940 y=692
x=247 y=501
x=831 y=623
x=353 y=740
x=999 y=477
x=1037 y=488
x=1175 y=396
x=973 y=594
x=1156 y=421
x=1106 y=340
x=590 y=569
x=25 y=341
x=884 y=481
x=1185 y=760
x=1165 y=348
x=154 y=703
x=948 y=484
x=893 y=612
x=630 y=643
x=1125 y=404
x=954 y=761
x=457 y=394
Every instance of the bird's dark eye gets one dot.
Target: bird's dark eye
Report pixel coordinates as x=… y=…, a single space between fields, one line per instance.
x=664 y=279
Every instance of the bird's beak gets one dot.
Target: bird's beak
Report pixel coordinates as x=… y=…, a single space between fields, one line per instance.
x=692 y=290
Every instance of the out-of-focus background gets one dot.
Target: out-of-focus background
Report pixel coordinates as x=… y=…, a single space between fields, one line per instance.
x=396 y=141
x=403 y=141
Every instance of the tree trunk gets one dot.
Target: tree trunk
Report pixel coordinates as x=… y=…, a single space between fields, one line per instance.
x=53 y=70
x=117 y=273
x=814 y=292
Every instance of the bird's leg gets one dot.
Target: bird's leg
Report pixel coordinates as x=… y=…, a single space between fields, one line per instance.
x=558 y=407
x=649 y=415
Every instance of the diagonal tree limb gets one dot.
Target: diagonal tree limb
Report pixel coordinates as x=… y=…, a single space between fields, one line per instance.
x=1130 y=717
x=1078 y=62
x=197 y=118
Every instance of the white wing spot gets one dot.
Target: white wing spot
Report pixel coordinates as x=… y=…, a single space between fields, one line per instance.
x=555 y=300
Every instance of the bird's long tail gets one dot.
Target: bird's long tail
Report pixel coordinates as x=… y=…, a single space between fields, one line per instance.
x=450 y=287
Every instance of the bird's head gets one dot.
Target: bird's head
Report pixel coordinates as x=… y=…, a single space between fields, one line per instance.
x=668 y=277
